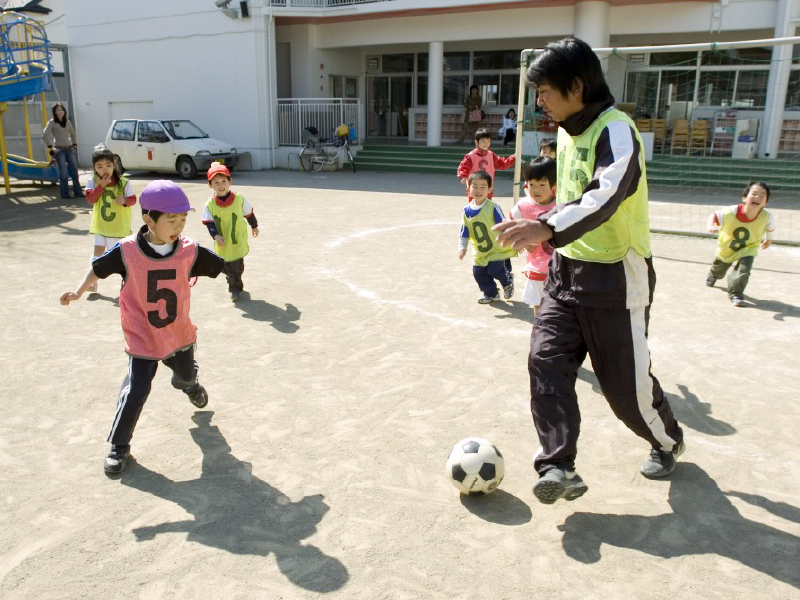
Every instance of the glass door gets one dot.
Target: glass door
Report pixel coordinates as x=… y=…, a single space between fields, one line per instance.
x=377 y=106
x=388 y=101
x=400 y=103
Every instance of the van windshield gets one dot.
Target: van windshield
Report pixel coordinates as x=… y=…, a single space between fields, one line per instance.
x=184 y=130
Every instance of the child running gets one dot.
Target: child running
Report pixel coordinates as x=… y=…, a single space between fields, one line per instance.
x=741 y=229
x=540 y=197
x=491 y=261
x=156 y=265
x=111 y=197
x=224 y=216
x=482 y=159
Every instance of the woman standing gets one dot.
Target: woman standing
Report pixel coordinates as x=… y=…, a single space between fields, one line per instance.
x=473 y=115
x=62 y=143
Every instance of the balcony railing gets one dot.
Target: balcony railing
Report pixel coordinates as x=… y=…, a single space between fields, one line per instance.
x=326 y=114
x=321 y=3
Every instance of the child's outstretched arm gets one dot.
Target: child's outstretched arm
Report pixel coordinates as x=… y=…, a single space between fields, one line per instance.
x=250 y=215
x=88 y=281
x=464 y=169
x=501 y=163
x=713 y=223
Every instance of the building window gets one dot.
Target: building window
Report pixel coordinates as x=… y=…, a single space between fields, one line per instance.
x=495 y=60
x=455 y=90
x=716 y=88
x=398 y=63
x=751 y=89
x=456 y=61
x=488 y=88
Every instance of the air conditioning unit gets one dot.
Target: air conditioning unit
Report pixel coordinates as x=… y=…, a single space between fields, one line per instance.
x=374 y=63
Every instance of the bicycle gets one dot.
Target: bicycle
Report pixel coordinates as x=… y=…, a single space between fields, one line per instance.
x=314 y=155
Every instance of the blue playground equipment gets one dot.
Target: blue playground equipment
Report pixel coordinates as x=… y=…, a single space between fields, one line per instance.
x=25 y=70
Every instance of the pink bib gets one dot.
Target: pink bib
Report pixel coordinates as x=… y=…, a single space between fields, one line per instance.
x=154 y=300
x=537 y=261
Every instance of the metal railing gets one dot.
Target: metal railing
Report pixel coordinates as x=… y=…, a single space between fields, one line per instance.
x=326 y=114
x=321 y=3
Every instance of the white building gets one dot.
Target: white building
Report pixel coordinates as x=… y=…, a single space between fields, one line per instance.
x=401 y=59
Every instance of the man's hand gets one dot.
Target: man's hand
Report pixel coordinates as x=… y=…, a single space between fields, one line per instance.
x=461 y=253
x=520 y=233
x=255 y=231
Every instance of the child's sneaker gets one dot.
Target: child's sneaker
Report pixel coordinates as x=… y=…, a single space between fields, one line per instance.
x=508 y=290
x=197 y=395
x=236 y=296
x=737 y=300
x=710 y=280
x=559 y=483
x=486 y=299
x=117 y=459
x=660 y=464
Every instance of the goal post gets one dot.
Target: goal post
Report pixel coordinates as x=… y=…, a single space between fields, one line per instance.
x=702 y=110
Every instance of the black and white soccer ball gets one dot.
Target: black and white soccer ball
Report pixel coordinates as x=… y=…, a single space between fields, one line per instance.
x=475 y=466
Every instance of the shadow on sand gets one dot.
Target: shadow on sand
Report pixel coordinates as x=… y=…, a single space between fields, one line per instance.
x=281 y=319
x=703 y=521
x=239 y=513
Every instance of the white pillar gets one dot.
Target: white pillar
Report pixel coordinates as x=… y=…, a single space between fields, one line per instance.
x=777 y=84
x=593 y=25
x=435 y=92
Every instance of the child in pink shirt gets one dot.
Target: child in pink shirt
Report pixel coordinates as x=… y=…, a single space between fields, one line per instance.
x=482 y=159
x=540 y=197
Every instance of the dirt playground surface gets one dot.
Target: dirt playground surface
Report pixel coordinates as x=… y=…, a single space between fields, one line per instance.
x=337 y=388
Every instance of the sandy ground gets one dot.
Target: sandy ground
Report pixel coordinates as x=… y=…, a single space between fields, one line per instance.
x=336 y=391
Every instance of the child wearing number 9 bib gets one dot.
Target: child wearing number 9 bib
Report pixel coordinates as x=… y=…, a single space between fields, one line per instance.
x=224 y=216
x=158 y=265
x=111 y=197
x=740 y=230
x=491 y=261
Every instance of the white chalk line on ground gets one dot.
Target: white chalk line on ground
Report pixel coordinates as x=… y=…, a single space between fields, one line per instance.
x=403 y=305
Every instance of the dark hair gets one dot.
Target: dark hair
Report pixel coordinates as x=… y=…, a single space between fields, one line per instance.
x=61 y=122
x=153 y=214
x=101 y=152
x=549 y=143
x=480 y=176
x=473 y=87
x=482 y=134
x=541 y=167
x=565 y=61
x=510 y=110
x=759 y=184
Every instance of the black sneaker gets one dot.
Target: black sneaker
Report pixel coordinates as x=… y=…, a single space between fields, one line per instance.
x=117 y=459
x=660 y=464
x=710 y=280
x=236 y=296
x=508 y=290
x=559 y=483
x=197 y=395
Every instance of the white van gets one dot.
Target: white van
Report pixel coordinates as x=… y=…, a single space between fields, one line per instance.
x=172 y=145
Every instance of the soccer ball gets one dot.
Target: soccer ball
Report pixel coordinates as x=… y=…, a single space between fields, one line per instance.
x=475 y=466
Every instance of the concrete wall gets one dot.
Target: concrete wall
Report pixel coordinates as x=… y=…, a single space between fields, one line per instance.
x=188 y=59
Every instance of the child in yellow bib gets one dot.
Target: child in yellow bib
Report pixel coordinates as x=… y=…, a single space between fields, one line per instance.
x=740 y=230
x=111 y=197
x=224 y=216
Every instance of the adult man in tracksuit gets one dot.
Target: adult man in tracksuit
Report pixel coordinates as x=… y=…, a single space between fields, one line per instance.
x=601 y=279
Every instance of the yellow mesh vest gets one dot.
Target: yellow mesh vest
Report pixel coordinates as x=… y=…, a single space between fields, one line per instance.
x=737 y=239
x=484 y=241
x=109 y=218
x=629 y=226
x=232 y=226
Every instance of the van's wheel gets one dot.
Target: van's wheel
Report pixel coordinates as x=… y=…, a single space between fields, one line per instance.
x=118 y=165
x=186 y=168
